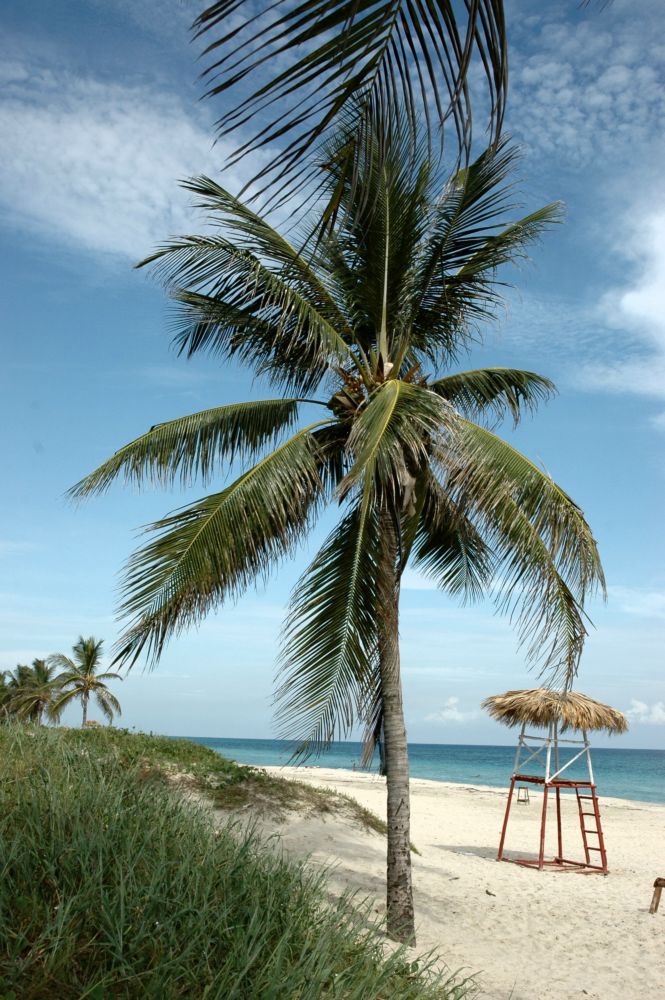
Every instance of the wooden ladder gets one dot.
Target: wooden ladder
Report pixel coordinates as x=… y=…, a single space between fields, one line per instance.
x=595 y=829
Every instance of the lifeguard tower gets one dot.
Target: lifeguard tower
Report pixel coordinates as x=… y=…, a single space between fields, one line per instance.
x=538 y=761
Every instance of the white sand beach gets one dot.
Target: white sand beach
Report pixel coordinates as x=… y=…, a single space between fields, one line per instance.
x=528 y=935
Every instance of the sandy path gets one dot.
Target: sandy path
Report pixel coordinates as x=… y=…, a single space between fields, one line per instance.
x=529 y=935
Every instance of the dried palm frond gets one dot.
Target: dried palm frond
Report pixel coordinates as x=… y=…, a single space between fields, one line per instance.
x=541 y=706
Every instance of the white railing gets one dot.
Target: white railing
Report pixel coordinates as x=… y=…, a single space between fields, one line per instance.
x=550 y=745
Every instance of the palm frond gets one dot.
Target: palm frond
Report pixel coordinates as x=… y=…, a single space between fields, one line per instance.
x=494 y=390
x=548 y=562
x=372 y=716
x=380 y=224
x=29 y=704
x=330 y=444
x=510 y=243
x=87 y=653
x=64 y=663
x=212 y=550
x=192 y=446
x=470 y=237
x=252 y=232
x=108 y=703
x=234 y=304
x=389 y=439
x=20 y=676
x=330 y=635
x=383 y=55
x=448 y=547
x=56 y=709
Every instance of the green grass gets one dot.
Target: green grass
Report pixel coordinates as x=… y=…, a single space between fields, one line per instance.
x=112 y=886
x=230 y=786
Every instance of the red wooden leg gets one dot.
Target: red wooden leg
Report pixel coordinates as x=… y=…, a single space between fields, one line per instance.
x=499 y=856
x=558 y=824
x=543 y=822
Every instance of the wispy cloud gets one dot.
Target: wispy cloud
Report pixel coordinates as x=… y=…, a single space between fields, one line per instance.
x=584 y=85
x=166 y=19
x=650 y=715
x=632 y=601
x=451 y=712
x=95 y=164
x=615 y=342
x=637 y=308
x=588 y=92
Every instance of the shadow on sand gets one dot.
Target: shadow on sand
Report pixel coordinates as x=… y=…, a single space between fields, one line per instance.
x=489 y=853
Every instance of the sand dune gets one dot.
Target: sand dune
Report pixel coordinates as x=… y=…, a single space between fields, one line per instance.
x=528 y=935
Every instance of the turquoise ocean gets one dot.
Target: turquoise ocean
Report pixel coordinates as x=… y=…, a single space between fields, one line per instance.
x=624 y=774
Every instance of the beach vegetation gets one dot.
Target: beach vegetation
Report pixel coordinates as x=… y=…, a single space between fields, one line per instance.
x=234 y=788
x=116 y=886
x=359 y=328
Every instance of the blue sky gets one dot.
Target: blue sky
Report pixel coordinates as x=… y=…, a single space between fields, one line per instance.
x=99 y=117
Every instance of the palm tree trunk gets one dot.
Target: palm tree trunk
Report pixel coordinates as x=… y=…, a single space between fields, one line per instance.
x=400 y=924
x=84 y=700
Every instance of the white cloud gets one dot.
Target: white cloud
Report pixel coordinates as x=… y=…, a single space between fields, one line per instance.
x=95 y=164
x=642 y=304
x=451 y=712
x=641 y=376
x=586 y=86
x=652 y=715
x=632 y=601
x=637 y=309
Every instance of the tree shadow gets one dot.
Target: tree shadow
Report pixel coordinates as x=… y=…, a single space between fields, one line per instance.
x=488 y=853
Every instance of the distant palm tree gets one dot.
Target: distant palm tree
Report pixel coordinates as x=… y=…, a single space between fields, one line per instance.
x=373 y=316
x=80 y=679
x=5 y=697
x=31 y=690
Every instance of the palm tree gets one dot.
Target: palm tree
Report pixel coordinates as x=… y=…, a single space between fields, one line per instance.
x=31 y=691
x=80 y=679
x=370 y=318
x=6 y=712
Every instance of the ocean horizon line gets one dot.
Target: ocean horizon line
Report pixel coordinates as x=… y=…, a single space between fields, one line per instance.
x=595 y=747
x=635 y=773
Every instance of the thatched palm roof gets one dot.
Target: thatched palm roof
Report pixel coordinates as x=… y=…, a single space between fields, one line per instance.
x=540 y=706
